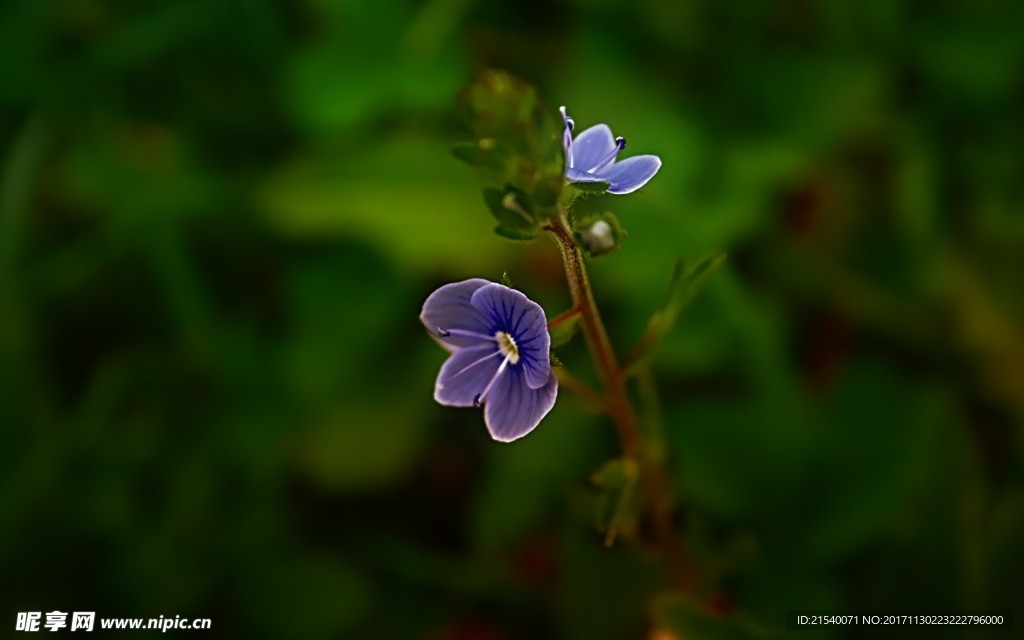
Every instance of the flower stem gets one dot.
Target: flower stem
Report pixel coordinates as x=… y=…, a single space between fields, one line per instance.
x=585 y=393
x=649 y=455
x=619 y=406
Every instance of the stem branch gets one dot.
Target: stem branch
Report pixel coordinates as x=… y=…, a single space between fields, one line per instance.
x=562 y=317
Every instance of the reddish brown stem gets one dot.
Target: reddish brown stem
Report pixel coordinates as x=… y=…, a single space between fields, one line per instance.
x=562 y=317
x=618 y=404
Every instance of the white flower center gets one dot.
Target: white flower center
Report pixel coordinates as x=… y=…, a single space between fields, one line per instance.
x=507 y=346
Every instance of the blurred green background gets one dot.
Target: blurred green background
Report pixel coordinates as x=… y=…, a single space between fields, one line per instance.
x=219 y=219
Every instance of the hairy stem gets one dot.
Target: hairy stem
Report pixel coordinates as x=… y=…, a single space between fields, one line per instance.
x=618 y=403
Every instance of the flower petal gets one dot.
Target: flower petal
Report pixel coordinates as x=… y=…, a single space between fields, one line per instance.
x=592 y=146
x=630 y=174
x=513 y=409
x=465 y=375
x=449 y=307
x=515 y=314
x=579 y=175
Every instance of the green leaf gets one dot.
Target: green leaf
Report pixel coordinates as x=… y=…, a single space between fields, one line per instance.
x=685 y=283
x=511 y=208
x=618 y=506
x=563 y=332
x=468 y=152
x=616 y=473
x=514 y=234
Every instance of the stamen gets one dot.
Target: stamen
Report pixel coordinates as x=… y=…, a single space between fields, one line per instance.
x=507 y=346
x=490 y=385
x=569 y=122
x=620 y=144
x=567 y=137
x=473 y=364
x=444 y=333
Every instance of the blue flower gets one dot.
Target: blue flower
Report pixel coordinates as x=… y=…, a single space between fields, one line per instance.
x=500 y=355
x=591 y=158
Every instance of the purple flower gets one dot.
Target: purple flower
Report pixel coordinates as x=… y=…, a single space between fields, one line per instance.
x=500 y=354
x=591 y=158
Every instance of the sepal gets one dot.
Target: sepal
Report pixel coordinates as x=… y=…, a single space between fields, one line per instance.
x=591 y=188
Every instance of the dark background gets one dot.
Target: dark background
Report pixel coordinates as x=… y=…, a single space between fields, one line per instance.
x=219 y=220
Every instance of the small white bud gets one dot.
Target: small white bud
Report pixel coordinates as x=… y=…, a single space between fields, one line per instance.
x=599 y=238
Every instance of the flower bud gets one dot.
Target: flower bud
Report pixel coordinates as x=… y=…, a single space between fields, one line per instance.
x=599 y=238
